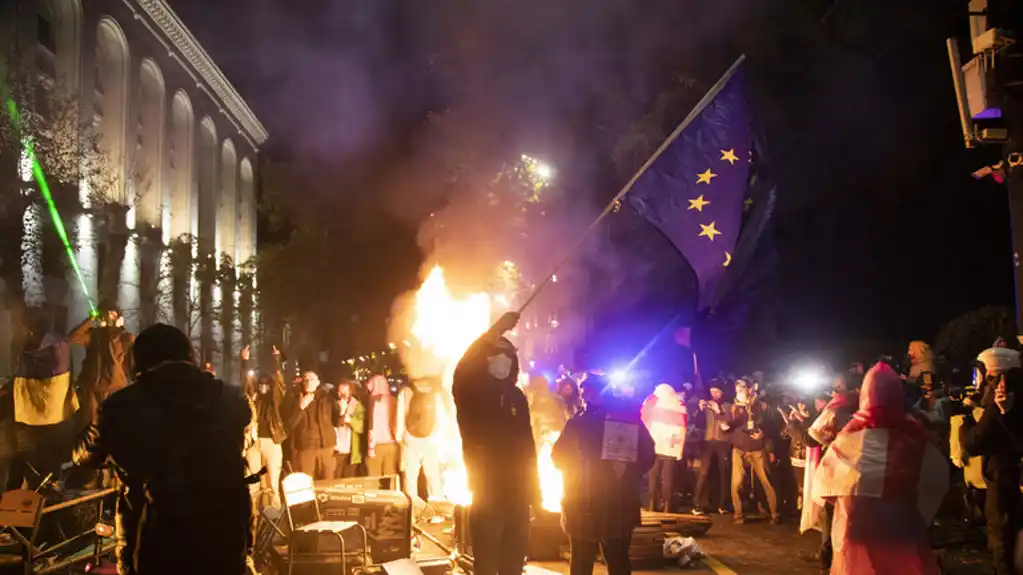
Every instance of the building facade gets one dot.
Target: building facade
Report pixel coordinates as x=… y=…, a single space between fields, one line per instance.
x=178 y=149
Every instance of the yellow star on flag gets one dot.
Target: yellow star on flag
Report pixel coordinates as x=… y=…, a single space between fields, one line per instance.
x=729 y=156
x=709 y=231
x=749 y=204
x=705 y=177
x=728 y=260
x=698 y=203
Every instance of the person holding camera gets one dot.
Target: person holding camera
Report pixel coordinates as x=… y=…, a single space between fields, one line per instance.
x=750 y=446
x=996 y=437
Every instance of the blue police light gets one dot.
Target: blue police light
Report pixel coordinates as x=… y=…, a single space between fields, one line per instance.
x=618 y=377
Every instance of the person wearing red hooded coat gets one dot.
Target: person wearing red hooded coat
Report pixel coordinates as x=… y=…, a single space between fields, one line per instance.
x=886 y=478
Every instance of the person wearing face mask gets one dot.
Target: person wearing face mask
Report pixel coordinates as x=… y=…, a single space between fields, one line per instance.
x=498 y=450
x=311 y=416
x=348 y=449
x=107 y=365
x=996 y=436
x=746 y=422
x=266 y=396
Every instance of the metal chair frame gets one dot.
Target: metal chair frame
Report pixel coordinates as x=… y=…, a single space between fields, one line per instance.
x=31 y=554
x=296 y=532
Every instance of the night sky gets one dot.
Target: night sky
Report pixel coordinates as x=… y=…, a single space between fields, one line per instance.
x=883 y=234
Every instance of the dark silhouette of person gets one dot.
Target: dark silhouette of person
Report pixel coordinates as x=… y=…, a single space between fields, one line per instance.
x=176 y=439
x=498 y=450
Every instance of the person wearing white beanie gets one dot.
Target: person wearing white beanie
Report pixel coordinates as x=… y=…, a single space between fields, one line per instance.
x=998 y=360
x=995 y=438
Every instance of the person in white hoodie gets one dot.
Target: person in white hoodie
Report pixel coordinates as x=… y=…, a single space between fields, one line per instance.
x=664 y=414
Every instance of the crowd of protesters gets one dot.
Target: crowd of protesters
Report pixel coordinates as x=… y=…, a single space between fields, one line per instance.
x=346 y=429
x=867 y=460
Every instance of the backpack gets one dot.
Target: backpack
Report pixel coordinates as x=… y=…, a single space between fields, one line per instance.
x=422 y=413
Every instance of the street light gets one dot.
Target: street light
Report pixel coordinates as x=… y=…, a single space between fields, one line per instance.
x=541 y=170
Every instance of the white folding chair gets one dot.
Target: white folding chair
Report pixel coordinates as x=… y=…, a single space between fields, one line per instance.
x=300 y=498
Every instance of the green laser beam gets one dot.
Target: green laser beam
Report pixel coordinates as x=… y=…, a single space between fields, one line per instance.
x=44 y=189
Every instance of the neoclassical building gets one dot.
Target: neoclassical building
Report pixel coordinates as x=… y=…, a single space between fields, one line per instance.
x=182 y=142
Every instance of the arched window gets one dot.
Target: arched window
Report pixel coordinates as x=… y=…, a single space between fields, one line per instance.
x=57 y=63
x=207 y=156
x=179 y=165
x=247 y=215
x=150 y=140
x=59 y=32
x=227 y=220
x=111 y=110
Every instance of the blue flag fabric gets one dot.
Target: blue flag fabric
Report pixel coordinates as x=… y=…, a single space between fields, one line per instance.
x=694 y=192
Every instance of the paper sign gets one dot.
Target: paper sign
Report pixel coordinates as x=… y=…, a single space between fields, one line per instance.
x=621 y=441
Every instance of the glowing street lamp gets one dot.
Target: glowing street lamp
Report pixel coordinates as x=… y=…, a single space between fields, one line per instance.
x=541 y=170
x=544 y=172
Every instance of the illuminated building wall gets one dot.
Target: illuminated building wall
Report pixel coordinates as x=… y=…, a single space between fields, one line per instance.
x=177 y=142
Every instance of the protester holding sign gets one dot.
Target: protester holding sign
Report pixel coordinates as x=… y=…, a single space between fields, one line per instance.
x=603 y=455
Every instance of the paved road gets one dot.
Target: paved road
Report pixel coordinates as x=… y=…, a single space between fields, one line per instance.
x=759 y=548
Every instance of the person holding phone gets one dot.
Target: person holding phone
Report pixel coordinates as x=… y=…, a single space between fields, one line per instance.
x=997 y=438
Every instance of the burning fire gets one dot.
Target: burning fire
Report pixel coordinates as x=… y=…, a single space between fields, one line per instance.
x=445 y=326
x=552 y=487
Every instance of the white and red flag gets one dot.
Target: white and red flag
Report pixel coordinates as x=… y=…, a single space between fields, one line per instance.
x=886 y=478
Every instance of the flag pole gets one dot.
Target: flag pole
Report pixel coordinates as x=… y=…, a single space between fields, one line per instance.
x=700 y=106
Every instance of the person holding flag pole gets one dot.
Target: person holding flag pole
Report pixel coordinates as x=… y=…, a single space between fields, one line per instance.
x=693 y=190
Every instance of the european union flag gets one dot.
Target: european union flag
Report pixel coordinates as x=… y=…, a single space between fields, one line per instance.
x=695 y=189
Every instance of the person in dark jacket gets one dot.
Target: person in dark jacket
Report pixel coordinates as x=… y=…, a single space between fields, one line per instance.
x=998 y=439
x=498 y=450
x=746 y=424
x=603 y=455
x=716 y=450
x=266 y=397
x=311 y=417
x=797 y=419
x=176 y=439
x=107 y=365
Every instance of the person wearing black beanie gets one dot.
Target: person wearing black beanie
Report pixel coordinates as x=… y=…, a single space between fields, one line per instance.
x=176 y=438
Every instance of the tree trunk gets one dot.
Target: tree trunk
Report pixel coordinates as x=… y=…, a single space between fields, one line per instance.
x=206 y=275
x=227 y=316
x=181 y=265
